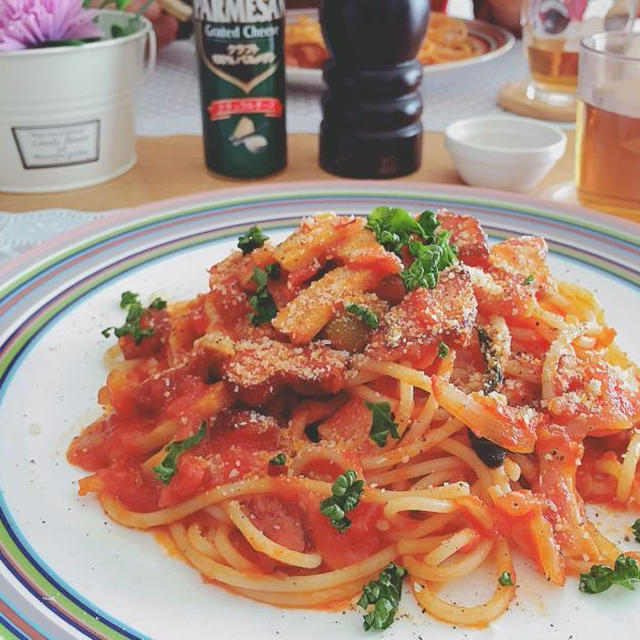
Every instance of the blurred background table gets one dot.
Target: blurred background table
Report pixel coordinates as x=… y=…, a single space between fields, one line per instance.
x=173 y=166
x=170 y=156
x=170 y=103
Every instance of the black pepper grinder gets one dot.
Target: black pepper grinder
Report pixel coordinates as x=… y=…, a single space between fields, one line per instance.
x=371 y=112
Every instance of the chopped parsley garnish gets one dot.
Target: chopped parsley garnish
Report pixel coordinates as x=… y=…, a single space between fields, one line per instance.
x=158 y=304
x=135 y=312
x=273 y=271
x=443 y=350
x=128 y=298
x=364 y=313
x=396 y=229
x=384 y=594
x=505 y=579
x=635 y=527
x=167 y=468
x=493 y=377
x=428 y=222
x=253 y=239
x=346 y=492
x=261 y=301
x=624 y=573
x=429 y=261
x=278 y=460
x=529 y=279
x=382 y=423
x=393 y=227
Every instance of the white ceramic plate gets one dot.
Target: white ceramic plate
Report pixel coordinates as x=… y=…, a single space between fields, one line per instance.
x=68 y=572
x=491 y=40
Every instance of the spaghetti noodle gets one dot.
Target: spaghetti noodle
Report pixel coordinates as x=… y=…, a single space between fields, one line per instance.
x=367 y=393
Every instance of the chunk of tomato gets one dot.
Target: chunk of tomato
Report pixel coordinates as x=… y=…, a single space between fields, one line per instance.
x=280 y=520
x=358 y=542
x=189 y=479
x=136 y=489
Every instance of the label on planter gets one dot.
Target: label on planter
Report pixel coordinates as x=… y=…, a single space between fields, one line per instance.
x=59 y=145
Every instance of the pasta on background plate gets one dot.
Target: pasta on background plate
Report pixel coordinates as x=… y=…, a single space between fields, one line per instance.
x=369 y=401
x=447 y=40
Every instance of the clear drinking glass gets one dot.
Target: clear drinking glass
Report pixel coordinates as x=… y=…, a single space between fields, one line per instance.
x=608 y=123
x=551 y=33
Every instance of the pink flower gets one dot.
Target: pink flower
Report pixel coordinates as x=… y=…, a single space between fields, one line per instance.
x=30 y=23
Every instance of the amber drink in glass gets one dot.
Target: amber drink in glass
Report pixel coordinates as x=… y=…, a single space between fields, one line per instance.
x=608 y=123
x=551 y=34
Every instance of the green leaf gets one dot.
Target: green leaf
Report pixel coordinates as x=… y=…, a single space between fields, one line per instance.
x=259 y=277
x=167 y=468
x=135 y=312
x=261 y=301
x=600 y=577
x=505 y=579
x=393 y=227
x=396 y=229
x=346 y=492
x=635 y=527
x=529 y=279
x=72 y=42
x=364 y=313
x=384 y=595
x=273 y=271
x=278 y=460
x=121 y=31
x=443 y=350
x=429 y=261
x=127 y=298
x=118 y=4
x=382 y=423
x=253 y=239
x=428 y=223
x=158 y=304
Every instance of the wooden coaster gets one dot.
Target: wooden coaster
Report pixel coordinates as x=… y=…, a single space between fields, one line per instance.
x=513 y=97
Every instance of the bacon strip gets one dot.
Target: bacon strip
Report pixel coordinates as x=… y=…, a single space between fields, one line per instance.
x=259 y=368
x=425 y=316
x=467 y=237
x=307 y=314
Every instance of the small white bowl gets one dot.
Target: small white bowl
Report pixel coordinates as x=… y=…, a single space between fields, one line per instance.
x=503 y=152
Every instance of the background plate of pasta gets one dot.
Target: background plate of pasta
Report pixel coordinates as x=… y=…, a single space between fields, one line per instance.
x=324 y=410
x=450 y=43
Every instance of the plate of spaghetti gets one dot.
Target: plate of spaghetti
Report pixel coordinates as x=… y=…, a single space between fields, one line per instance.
x=325 y=409
x=450 y=43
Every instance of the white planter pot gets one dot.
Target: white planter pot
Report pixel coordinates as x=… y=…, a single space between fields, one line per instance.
x=67 y=114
